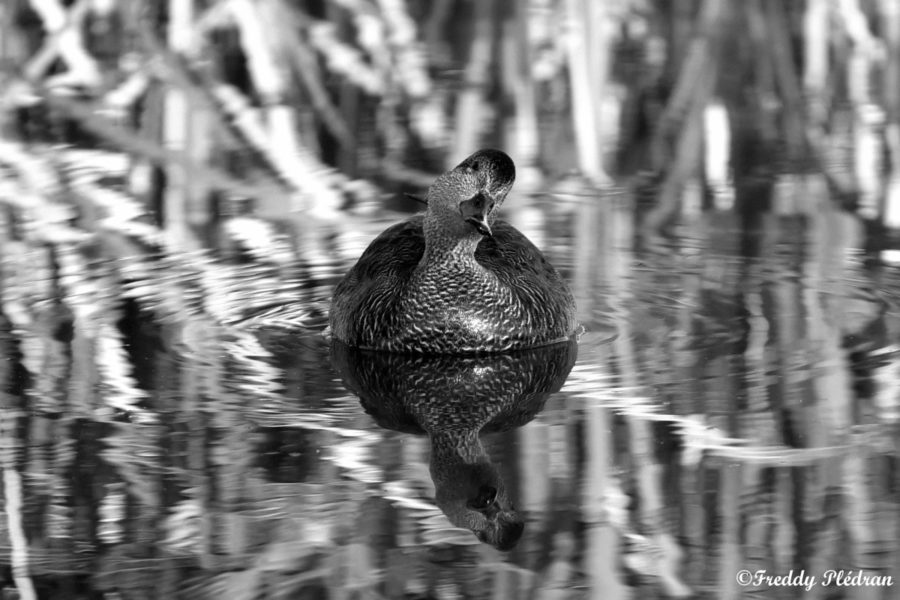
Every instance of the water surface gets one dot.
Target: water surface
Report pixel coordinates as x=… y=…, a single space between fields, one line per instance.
x=733 y=404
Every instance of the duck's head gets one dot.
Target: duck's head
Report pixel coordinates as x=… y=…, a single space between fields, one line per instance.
x=472 y=495
x=465 y=200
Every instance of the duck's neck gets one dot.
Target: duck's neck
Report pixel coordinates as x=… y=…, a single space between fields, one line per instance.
x=448 y=244
x=457 y=446
x=460 y=467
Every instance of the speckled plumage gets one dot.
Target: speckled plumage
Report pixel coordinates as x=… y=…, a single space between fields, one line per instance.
x=454 y=399
x=435 y=284
x=424 y=394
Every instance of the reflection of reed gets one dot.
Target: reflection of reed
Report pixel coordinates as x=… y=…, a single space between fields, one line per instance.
x=698 y=439
x=10 y=454
x=745 y=357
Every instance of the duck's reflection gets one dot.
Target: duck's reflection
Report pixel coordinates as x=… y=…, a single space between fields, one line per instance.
x=454 y=399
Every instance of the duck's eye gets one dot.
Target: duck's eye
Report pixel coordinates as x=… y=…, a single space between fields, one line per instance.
x=486 y=496
x=480 y=202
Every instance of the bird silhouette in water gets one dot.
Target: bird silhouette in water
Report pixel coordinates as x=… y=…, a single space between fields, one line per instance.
x=455 y=280
x=454 y=400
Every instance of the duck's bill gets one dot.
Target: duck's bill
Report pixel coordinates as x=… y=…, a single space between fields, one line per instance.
x=479 y=223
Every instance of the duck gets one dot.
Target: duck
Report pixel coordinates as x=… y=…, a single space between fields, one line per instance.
x=455 y=280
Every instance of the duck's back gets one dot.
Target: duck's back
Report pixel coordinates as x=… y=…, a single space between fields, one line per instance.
x=384 y=303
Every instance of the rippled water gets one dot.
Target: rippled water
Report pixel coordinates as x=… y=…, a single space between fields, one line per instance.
x=732 y=405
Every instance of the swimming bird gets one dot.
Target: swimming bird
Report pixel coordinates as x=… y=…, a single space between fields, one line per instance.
x=455 y=280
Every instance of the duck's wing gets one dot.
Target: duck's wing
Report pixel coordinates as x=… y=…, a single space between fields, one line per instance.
x=364 y=297
x=511 y=255
x=522 y=267
x=396 y=251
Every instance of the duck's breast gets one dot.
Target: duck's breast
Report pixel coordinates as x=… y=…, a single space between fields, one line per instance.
x=546 y=305
x=510 y=297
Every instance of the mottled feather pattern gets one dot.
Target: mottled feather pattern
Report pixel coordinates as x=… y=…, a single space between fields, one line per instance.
x=454 y=399
x=417 y=393
x=522 y=300
x=455 y=280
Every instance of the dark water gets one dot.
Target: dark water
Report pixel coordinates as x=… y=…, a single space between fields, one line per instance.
x=733 y=405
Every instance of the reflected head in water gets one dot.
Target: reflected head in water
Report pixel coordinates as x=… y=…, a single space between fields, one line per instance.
x=453 y=400
x=473 y=495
